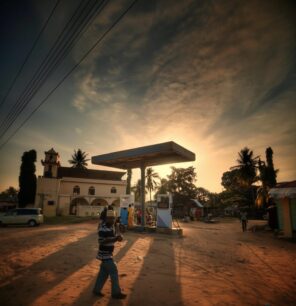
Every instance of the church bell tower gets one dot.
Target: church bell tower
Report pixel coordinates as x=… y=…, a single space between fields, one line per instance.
x=51 y=163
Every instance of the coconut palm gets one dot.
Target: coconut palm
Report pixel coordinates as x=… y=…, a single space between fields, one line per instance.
x=247 y=165
x=136 y=189
x=152 y=179
x=79 y=159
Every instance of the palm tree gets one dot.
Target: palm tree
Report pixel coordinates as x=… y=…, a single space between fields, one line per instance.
x=151 y=177
x=247 y=165
x=79 y=159
x=136 y=189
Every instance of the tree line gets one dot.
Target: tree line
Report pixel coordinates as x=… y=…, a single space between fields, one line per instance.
x=245 y=184
x=248 y=182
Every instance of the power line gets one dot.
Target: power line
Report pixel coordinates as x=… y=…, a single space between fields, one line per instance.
x=70 y=71
x=53 y=58
x=29 y=53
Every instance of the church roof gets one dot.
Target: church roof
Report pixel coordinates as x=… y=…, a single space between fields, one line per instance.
x=89 y=174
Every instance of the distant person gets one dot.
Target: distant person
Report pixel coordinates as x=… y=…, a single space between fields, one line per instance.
x=124 y=216
x=139 y=217
x=272 y=215
x=244 y=220
x=148 y=218
x=130 y=216
x=107 y=238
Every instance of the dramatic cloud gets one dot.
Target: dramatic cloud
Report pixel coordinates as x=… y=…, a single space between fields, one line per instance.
x=212 y=76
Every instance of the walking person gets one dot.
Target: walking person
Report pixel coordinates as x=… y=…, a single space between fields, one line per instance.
x=107 y=239
x=244 y=220
x=139 y=217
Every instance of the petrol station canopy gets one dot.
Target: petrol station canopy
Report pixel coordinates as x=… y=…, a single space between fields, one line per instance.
x=153 y=155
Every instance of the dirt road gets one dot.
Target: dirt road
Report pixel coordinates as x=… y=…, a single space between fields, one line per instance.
x=213 y=264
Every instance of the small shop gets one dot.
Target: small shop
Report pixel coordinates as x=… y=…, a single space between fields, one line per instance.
x=284 y=196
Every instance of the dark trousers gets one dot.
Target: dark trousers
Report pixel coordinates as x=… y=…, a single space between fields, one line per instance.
x=244 y=225
x=108 y=268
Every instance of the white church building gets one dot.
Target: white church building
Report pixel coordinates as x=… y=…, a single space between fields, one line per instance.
x=63 y=191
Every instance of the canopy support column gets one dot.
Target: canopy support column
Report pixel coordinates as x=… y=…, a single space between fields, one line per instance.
x=143 y=193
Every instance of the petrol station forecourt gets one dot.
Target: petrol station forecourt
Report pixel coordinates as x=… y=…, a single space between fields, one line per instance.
x=142 y=157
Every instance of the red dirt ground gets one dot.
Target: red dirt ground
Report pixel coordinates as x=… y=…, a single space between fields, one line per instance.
x=213 y=264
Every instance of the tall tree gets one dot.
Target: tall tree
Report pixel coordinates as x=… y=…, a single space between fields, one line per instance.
x=152 y=179
x=27 y=179
x=267 y=176
x=128 y=181
x=162 y=188
x=247 y=166
x=203 y=195
x=136 y=189
x=270 y=172
x=231 y=180
x=9 y=193
x=79 y=159
x=181 y=182
x=247 y=174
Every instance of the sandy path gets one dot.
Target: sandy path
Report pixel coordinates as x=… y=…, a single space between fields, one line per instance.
x=213 y=264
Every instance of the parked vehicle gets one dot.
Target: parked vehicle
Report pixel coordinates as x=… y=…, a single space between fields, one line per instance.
x=29 y=216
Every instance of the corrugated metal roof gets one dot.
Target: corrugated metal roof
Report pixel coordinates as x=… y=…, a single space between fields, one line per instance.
x=198 y=204
x=89 y=174
x=280 y=193
x=286 y=184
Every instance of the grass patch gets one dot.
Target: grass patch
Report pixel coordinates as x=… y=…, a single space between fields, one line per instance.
x=68 y=219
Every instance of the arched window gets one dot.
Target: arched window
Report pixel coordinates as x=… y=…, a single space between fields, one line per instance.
x=91 y=190
x=113 y=190
x=76 y=190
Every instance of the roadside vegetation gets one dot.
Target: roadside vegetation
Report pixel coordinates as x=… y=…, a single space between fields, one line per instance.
x=246 y=185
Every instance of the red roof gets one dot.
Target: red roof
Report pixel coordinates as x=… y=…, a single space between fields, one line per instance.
x=89 y=174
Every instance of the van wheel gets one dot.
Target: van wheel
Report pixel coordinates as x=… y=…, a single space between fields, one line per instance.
x=32 y=223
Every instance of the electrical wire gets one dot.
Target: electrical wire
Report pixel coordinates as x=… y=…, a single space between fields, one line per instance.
x=29 y=53
x=70 y=72
x=57 y=53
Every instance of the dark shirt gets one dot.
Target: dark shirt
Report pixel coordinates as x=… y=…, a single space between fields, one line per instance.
x=103 y=215
x=106 y=241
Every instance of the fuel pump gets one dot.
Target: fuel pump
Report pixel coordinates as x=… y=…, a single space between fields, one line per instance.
x=164 y=210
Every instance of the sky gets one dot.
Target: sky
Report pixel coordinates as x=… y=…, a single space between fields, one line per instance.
x=212 y=76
